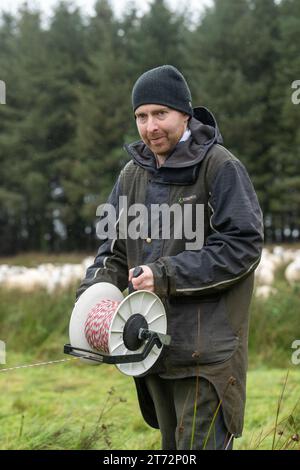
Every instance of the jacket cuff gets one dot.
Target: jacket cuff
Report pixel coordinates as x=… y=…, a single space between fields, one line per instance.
x=164 y=281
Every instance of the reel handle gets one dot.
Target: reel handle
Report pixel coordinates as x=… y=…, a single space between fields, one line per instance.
x=136 y=273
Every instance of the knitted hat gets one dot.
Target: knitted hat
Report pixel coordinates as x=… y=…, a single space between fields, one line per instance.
x=163 y=85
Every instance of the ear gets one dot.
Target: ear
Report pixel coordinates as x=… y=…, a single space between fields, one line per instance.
x=187 y=117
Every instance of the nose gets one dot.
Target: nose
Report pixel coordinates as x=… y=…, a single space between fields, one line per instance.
x=152 y=124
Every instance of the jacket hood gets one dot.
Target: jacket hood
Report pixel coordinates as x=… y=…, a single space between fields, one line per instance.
x=204 y=134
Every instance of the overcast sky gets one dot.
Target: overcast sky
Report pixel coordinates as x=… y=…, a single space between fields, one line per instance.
x=119 y=5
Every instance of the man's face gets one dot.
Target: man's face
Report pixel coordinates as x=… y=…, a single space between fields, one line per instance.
x=160 y=127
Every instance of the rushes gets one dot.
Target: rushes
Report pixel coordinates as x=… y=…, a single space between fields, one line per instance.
x=286 y=429
x=100 y=431
x=278 y=409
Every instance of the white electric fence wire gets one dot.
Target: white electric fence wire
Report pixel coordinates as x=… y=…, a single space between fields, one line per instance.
x=25 y=366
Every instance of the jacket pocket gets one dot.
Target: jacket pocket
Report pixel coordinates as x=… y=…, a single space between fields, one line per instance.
x=201 y=333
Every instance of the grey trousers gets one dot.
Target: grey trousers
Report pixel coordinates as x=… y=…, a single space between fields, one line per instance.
x=186 y=412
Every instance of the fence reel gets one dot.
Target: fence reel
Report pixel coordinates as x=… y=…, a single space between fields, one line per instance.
x=132 y=335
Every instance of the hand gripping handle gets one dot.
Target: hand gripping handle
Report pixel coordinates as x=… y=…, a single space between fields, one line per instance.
x=136 y=273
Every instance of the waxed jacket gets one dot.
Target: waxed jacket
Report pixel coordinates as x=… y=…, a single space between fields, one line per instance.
x=205 y=282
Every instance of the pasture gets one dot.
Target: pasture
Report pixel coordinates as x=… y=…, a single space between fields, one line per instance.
x=70 y=405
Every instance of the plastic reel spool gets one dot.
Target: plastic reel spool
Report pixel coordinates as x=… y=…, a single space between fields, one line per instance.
x=142 y=302
x=152 y=309
x=90 y=297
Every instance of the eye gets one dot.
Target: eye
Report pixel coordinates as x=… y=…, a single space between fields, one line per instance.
x=162 y=113
x=141 y=118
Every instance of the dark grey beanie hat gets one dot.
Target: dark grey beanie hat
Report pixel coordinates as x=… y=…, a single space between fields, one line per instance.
x=163 y=85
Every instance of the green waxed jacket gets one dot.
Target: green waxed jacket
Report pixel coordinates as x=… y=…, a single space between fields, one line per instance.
x=206 y=290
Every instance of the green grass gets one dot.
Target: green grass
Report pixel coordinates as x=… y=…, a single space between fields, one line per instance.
x=70 y=406
x=264 y=388
x=75 y=406
x=275 y=325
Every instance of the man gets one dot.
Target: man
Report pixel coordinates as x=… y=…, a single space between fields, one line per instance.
x=195 y=392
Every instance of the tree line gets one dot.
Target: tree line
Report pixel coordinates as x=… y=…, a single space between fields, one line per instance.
x=68 y=107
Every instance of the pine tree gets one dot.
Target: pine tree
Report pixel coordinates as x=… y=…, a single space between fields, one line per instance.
x=285 y=190
x=21 y=140
x=158 y=38
x=233 y=56
x=66 y=51
x=103 y=112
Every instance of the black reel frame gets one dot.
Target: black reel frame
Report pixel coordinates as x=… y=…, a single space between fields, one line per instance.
x=153 y=338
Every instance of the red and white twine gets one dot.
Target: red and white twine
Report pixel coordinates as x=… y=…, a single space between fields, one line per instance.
x=98 y=324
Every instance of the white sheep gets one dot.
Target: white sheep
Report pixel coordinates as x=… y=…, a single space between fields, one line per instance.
x=264 y=292
x=27 y=281
x=47 y=276
x=265 y=272
x=292 y=272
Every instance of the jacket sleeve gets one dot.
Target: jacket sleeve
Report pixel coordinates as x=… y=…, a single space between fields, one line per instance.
x=231 y=251
x=110 y=264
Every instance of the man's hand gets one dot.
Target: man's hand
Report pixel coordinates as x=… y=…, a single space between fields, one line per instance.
x=145 y=281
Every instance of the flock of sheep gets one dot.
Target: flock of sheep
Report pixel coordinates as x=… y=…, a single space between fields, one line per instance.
x=52 y=277
x=270 y=262
x=48 y=276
